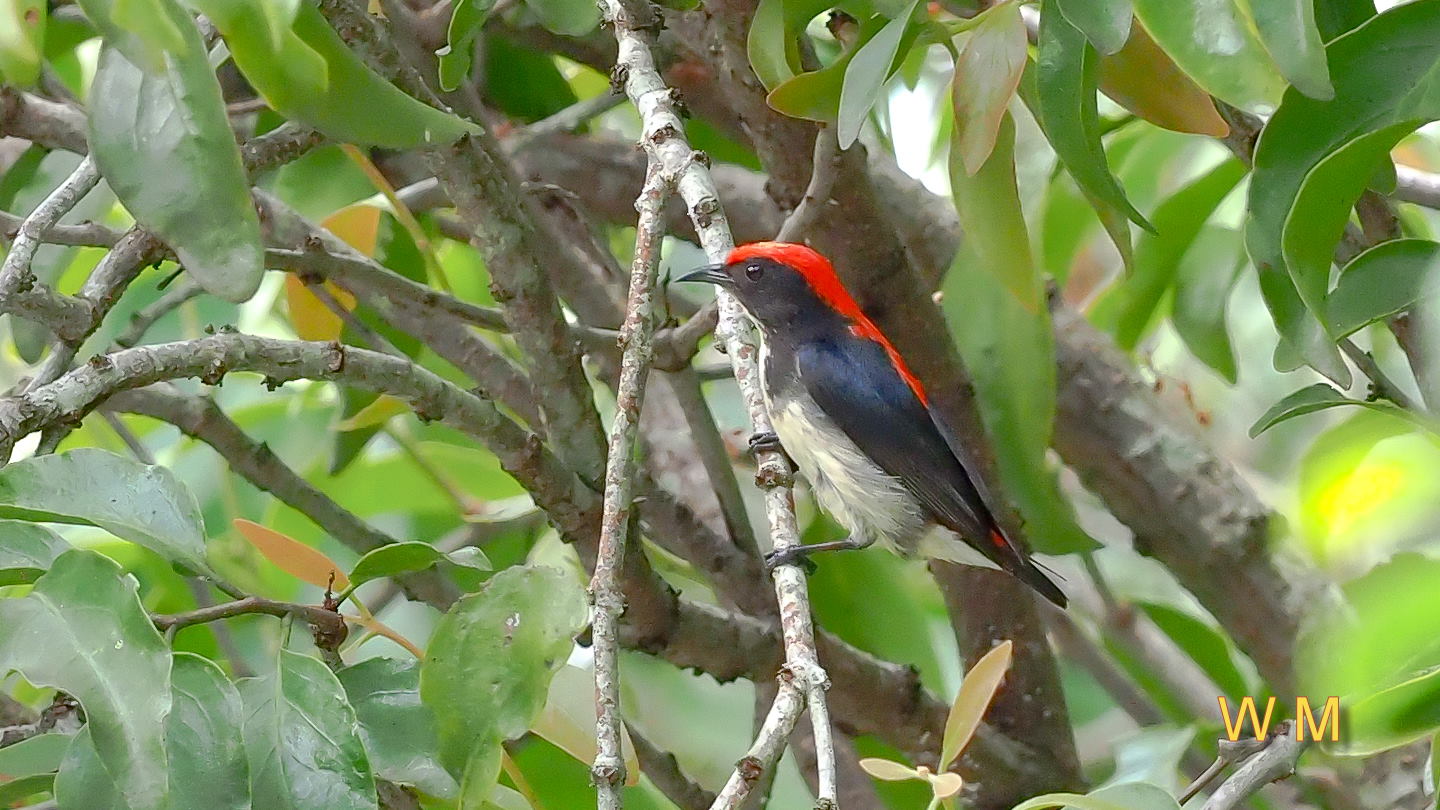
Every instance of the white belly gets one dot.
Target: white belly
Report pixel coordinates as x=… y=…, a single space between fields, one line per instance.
x=867 y=501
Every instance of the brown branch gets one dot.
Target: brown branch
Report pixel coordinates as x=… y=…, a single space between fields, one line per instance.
x=201 y=419
x=608 y=771
x=1275 y=762
x=516 y=248
x=325 y=621
x=664 y=772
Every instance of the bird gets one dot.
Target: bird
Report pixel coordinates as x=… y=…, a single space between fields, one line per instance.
x=856 y=421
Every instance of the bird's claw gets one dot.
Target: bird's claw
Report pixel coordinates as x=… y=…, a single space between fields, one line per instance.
x=790 y=556
x=763 y=442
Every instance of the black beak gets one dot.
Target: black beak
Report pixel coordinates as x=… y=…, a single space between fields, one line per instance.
x=710 y=274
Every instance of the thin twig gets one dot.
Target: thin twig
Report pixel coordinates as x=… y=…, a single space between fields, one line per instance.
x=1385 y=388
x=826 y=164
x=322 y=619
x=567 y=120
x=202 y=419
x=663 y=136
x=1230 y=752
x=608 y=771
x=15 y=272
x=1274 y=763
x=182 y=291
x=373 y=339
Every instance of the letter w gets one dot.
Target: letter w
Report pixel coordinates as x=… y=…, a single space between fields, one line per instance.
x=1247 y=707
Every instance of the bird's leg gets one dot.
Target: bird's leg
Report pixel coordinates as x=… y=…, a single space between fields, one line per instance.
x=802 y=553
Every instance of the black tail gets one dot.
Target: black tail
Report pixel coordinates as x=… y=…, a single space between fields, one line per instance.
x=1031 y=573
x=1019 y=564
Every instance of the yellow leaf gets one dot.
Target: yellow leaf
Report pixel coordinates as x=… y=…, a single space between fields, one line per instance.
x=568 y=721
x=975 y=693
x=309 y=316
x=1143 y=80
x=888 y=770
x=358 y=225
x=945 y=785
x=376 y=413
x=292 y=556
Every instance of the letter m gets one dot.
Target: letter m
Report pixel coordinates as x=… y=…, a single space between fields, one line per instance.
x=1306 y=719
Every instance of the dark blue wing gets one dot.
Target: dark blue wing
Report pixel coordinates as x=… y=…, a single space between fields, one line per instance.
x=861 y=391
x=857 y=387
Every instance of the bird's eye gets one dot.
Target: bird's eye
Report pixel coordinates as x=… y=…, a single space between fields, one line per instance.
x=754 y=272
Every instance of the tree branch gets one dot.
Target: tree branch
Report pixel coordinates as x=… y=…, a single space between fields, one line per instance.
x=608 y=771
x=1275 y=762
x=201 y=419
x=663 y=136
x=324 y=621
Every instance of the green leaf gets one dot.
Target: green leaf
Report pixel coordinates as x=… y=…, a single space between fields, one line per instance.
x=772 y=42
x=1336 y=17
x=1392 y=717
x=26 y=552
x=1136 y=796
x=1386 y=81
x=311 y=76
x=1321 y=209
x=994 y=302
x=1152 y=754
x=1106 y=23
x=489 y=664
x=146 y=505
x=83 y=630
x=403 y=558
x=83 y=780
x=1217 y=47
x=202 y=740
x=22 y=37
x=466 y=20
x=571 y=18
x=976 y=691
x=815 y=95
x=186 y=184
x=1314 y=398
x=203 y=737
x=524 y=83
x=1202 y=293
x=874 y=63
x=1382 y=281
x=398 y=730
x=1287 y=30
x=1074 y=800
x=1066 y=78
x=17 y=789
x=1205 y=644
x=302 y=740
x=987 y=73
x=1435 y=762
x=146 y=31
x=1378 y=651
x=1158 y=255
x=39 y=754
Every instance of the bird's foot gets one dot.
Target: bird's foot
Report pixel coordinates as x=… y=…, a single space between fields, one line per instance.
x=801 y=554
x=765 y=442
x=795 y=555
